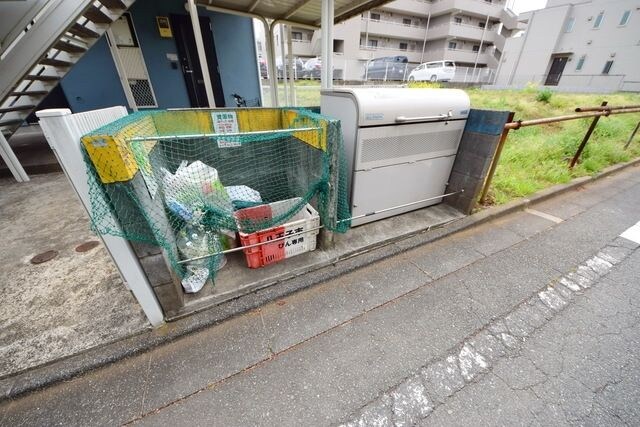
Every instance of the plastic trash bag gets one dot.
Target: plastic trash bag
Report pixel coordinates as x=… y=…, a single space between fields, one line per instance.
x=195 y=242
x=243 y=197
x=194 y=188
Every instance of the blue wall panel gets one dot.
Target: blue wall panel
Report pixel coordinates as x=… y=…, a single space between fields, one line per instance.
x=168 y=83
x=233 y=37
x=93 y=81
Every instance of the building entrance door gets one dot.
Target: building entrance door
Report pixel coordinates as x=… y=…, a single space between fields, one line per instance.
x=190 y=64
x=555 y=72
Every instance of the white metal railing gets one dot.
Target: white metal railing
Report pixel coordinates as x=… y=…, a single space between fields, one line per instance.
x=400 y=24
x=415 y=49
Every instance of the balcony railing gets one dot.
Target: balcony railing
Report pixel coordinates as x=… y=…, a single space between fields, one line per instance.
x=392 y=29
x=372 y=52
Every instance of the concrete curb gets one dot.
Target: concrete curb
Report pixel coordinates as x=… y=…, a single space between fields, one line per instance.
x=76 y=365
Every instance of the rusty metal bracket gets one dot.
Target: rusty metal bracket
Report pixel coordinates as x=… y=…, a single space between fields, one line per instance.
x=587 y=135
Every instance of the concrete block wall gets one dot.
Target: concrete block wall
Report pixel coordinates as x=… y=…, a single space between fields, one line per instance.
x=475 y=154
x=163 y=281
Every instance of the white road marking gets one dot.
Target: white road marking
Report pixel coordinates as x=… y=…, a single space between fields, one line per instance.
x=544 y=215
x=632 y=233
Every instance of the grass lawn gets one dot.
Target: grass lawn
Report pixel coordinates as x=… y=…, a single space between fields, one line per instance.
x=536 y=157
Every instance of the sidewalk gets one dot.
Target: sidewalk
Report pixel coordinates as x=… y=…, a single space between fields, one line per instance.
x=330 y=353
x=63 y=306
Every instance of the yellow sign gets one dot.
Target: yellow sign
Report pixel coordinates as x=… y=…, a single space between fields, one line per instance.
x=164 y=28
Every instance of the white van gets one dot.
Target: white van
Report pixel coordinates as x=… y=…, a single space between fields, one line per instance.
x=435 y=71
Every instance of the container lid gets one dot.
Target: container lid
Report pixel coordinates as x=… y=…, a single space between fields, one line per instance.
x=383 y=106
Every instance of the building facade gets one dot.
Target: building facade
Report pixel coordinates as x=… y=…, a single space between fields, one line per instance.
x=590 y=46
x=470 y=32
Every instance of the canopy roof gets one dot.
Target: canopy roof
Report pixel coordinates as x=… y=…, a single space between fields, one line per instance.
x=305 y=12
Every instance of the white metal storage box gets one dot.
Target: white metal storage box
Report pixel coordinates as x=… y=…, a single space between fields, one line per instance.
x=400 y=145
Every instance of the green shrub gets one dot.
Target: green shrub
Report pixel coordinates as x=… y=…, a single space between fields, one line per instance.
x=544 y=96
x=427 y=85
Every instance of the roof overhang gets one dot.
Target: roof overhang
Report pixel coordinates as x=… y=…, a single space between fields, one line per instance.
x=302 y=12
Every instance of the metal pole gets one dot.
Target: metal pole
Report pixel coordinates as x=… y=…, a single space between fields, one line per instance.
x=271 y=58
x=202 y=55
x=12 y=161
x=496 y=159
x=632 y=135
x=293 y=71
x=320 y=227
x=326 y=81
x=624 y=107
x=283 y=62
x=424 y=41
x=594 y=122
x=484 y=30
x=520 y=123
x=366 y=30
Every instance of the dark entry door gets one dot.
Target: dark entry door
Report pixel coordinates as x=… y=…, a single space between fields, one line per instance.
x=555 y=72
x=190 y=64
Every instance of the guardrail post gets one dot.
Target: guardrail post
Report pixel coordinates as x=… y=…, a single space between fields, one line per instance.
x=632 y=135
x=496 y=159
x=594 y=122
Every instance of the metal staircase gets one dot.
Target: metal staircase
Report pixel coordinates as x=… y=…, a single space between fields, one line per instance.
x=46 y=42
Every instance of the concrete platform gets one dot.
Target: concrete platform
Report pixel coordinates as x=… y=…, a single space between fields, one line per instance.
x=66 y=305
x=235 y=279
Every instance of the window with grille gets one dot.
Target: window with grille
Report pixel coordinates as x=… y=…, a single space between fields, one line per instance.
x=142 y=93
x=406 y=21
x=476 y=48
x=452 y=45
x=375 y=16
x=625 y=18
x=403 y=46
x=598 y=22
x=457 y=20
x=373 y=43
x=296 y=35
x=568 y=27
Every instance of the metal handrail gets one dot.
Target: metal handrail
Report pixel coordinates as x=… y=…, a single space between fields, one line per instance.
x=595 y=112
x=255 y=245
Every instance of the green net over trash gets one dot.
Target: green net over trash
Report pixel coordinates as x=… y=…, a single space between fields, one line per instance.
x=188 y=180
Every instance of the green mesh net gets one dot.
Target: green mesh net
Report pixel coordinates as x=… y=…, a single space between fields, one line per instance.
x=189 y=180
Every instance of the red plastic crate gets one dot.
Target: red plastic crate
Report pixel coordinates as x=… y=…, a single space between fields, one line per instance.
x=301 y=240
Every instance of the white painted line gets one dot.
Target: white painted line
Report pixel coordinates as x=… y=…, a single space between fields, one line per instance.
x=632 y=233
x=544 y=215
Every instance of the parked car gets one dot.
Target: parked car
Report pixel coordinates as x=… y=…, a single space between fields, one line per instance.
x=387 y=68
x=263 y=68
x=298 y=71
x=312 y=68
x=435 y=71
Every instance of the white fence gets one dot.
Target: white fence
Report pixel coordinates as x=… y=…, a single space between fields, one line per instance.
x=358 y=70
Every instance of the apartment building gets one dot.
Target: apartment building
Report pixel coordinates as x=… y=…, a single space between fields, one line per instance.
x=470 y=32
x=588 y=46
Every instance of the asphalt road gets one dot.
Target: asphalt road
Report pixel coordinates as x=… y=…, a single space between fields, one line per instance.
x=528 y=320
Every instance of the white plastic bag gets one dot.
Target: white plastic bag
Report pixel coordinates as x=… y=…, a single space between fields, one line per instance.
x=194 y=187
